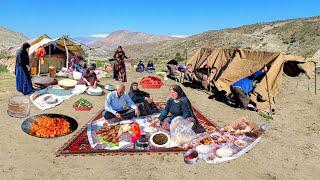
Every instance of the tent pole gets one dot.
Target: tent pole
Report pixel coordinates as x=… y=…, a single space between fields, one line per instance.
x=265 y=67
x=49 y=50
x=39 y=66
x=315 y=78
x=89 y=57
x=67 y=52
x=209 y=87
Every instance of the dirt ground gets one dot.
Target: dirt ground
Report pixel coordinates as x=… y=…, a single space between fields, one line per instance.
x=290 y=149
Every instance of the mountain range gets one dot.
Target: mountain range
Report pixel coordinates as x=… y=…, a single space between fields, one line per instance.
x=293 y=36
x=9 y=38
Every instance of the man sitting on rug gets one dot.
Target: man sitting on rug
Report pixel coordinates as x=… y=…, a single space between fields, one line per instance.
x=115 y=102
x=243 y=87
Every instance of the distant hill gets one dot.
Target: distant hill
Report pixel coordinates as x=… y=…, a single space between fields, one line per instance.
x=127 y=38
x=9 y=38
x=295 y=36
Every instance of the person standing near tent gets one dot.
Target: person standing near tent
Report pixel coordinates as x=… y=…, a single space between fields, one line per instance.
x=119 y=67
x=243 y=87
x=22 y=71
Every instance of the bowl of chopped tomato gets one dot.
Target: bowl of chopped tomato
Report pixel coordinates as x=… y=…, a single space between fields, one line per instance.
x=49 y=125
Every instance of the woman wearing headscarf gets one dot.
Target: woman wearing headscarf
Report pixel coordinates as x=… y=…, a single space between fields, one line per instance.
x=142 y=99
x=119 y=67
x=150 y=67
x=22 y=70
x=89 y=77
x=177 y=105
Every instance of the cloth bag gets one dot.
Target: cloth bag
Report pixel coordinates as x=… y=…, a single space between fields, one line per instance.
x=181 y=131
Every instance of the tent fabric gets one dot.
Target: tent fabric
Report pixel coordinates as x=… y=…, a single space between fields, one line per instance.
x=73 y=47
x=235 y=64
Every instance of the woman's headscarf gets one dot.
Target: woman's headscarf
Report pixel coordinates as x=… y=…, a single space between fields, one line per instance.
x=181 y=94
x=25 y=46
x=137 y=92
x=179 y=90
x=23 y=56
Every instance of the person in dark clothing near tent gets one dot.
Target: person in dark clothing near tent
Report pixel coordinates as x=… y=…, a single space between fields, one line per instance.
x=140 y=67
x=243 y=87
x=22 y=70
x=177 y=105
x=119 y=68
x=150 y=66
x=142 y=99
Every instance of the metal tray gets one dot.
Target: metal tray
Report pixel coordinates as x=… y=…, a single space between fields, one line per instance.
x=25 y=126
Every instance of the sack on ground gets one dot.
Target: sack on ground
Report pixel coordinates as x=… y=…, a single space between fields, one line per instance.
x=181 y=131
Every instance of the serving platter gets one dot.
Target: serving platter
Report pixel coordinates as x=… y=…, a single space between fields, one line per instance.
x=25 y=126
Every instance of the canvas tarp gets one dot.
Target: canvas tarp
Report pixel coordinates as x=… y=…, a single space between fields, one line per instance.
x=73 y=47
x=235 y=64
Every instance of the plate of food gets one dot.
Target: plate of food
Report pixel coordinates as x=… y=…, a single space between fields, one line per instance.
x=191 y=157
x=150 y=129
x=215 y=135
x=206 y=141
x=204 y=149
x=109 y=135
x=224 y=152
x=160 y=139
x=49 y=125
x=82 y=105
x=240 y=143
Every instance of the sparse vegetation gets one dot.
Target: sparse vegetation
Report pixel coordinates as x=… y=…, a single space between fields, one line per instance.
x=3 y=54
x=3 y=68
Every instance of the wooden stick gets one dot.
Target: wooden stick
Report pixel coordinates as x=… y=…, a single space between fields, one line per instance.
x=315 y=78
x=268 y=89
x=67 y=52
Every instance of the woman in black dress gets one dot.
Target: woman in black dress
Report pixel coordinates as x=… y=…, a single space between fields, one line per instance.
x=177 y=105
x=22 y=71
x=142 y=99
x=119 y=67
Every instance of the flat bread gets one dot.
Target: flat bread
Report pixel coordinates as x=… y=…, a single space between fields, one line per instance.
x=67 y=83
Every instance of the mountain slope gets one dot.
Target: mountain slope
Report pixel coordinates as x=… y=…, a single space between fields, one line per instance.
x=9 y=38
x=126 y=38
x=295 y=36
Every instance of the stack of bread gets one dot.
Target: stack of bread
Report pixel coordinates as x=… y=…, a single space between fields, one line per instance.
x=18 y=106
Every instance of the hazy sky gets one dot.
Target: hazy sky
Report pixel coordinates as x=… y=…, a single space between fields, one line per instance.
x=167 y=17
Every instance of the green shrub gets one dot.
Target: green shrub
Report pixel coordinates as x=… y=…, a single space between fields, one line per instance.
x=3 y=68
x=3 y=54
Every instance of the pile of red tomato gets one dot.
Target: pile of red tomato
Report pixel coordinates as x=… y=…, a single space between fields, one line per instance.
x=151 y=82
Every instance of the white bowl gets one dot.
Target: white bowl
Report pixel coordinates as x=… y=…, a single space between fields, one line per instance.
x=94 y=92
x=109 y=87
x=157 y=145
x=150 y=129
x=224 y=152
x=50 y=99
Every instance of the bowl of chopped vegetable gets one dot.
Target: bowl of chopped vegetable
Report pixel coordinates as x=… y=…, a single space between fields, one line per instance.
x=82 y=105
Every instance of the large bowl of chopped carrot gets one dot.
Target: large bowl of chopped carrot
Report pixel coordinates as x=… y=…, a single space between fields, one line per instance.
x=49 y=125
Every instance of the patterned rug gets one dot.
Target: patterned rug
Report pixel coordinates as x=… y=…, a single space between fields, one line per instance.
x=79 y=143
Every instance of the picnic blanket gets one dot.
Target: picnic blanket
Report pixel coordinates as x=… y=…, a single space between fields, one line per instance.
x=79 y=144
x=37 y=98
x=84 y=143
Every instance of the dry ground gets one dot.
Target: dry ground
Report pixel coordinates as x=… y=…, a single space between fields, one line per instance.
x=290 y=149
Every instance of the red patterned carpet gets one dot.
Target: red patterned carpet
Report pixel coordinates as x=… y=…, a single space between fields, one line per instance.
x=79 y=143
